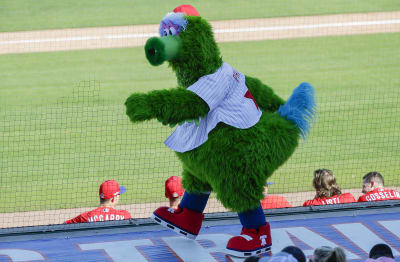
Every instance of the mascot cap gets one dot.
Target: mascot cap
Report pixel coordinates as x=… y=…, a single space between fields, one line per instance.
x=187 y=9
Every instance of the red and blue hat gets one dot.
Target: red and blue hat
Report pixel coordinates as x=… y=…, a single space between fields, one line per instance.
x=110 y=188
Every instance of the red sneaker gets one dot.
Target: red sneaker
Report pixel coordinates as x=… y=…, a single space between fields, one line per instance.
x=251 y=242
x=183 y=221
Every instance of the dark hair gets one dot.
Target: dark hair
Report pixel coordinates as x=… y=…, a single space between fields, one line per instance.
x=296 y=252
x=252 y=259
x=380 y=250
x=105 y=201
x=374 y=176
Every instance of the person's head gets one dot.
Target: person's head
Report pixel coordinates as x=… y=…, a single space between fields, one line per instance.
x=296 y=252
x=252 y=259
x=328 y=254
x=325 y=183
x=173 y=190
x=371 y=181
x=109 y=192
x=266 y=187
x=279 y=257
x=380 y=250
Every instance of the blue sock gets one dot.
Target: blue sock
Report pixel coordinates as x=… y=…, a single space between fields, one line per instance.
x=195 y=202
x=253 y=218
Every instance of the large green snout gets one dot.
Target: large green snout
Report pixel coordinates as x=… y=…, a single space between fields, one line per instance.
x=160 y=49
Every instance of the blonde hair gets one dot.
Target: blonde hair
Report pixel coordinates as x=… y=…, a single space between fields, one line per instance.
x=328 y=254
x=325 y=184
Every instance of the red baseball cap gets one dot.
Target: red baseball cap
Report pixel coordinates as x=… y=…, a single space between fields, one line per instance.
x=110 y=188
x=173 y=187
x=187 y=9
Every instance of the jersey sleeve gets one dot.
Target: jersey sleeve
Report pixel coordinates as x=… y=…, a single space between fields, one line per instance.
x=127 y=215
x=82 y=218
x=349 y=198
x=362 y=199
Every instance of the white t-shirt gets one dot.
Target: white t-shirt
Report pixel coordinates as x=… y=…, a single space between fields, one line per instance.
x=230 y=102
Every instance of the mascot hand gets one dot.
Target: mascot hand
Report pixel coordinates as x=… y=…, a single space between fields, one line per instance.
x=138 y=108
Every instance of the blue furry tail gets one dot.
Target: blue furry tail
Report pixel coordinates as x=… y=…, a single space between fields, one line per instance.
x=300 y=108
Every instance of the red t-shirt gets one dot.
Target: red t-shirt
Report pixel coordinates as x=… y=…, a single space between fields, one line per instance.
x=273 y=201
x=343 y=198
x=379 y=194
x=100 y=214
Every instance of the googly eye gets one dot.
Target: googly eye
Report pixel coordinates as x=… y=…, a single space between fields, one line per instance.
x=166 y=32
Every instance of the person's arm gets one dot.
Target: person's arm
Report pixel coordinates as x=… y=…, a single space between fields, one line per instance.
x=362 y=199
x=350 y=198
x=127 y=215
x=77 y=219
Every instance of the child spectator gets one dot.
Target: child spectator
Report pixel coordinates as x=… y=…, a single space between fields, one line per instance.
x=327 y=191
x=173 y=190
x=109 y=192
x=273 y=201
x=328 y=254
x=373 y=189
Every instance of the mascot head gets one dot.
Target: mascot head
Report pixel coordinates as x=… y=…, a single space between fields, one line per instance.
x=187 y=42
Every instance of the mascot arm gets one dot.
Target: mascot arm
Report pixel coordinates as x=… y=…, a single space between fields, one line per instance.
x=171 y=106
x=265 y=97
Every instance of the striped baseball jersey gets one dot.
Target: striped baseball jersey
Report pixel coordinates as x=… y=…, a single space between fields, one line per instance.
x=230 y=102
x=100 y=214
x=342 y=199
x=379 y=194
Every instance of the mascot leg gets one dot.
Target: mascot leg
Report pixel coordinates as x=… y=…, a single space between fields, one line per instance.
x=187 y=219
x=255 y=237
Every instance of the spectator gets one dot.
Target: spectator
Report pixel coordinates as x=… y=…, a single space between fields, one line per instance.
x=288 y=254
x=174 y=191
x=109 y=193
x=279 y=257
x=373 y=189
x=252 y=259
x=327 y=191
x=380 y=253
x=328 y=254
x=296 y=252
x=273 y=201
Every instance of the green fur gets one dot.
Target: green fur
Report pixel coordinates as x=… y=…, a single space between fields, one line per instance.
x=234 y=163
x=199 y=55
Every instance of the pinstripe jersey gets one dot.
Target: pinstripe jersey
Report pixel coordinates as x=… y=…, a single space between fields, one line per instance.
x=230 y=102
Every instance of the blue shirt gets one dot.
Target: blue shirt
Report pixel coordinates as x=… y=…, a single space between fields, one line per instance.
x=230 y=102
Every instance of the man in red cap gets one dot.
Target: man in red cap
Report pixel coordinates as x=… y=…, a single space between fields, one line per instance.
x=109 y=192
x=174 y=191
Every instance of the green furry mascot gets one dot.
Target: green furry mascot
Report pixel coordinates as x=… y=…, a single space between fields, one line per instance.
x=233 y=132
